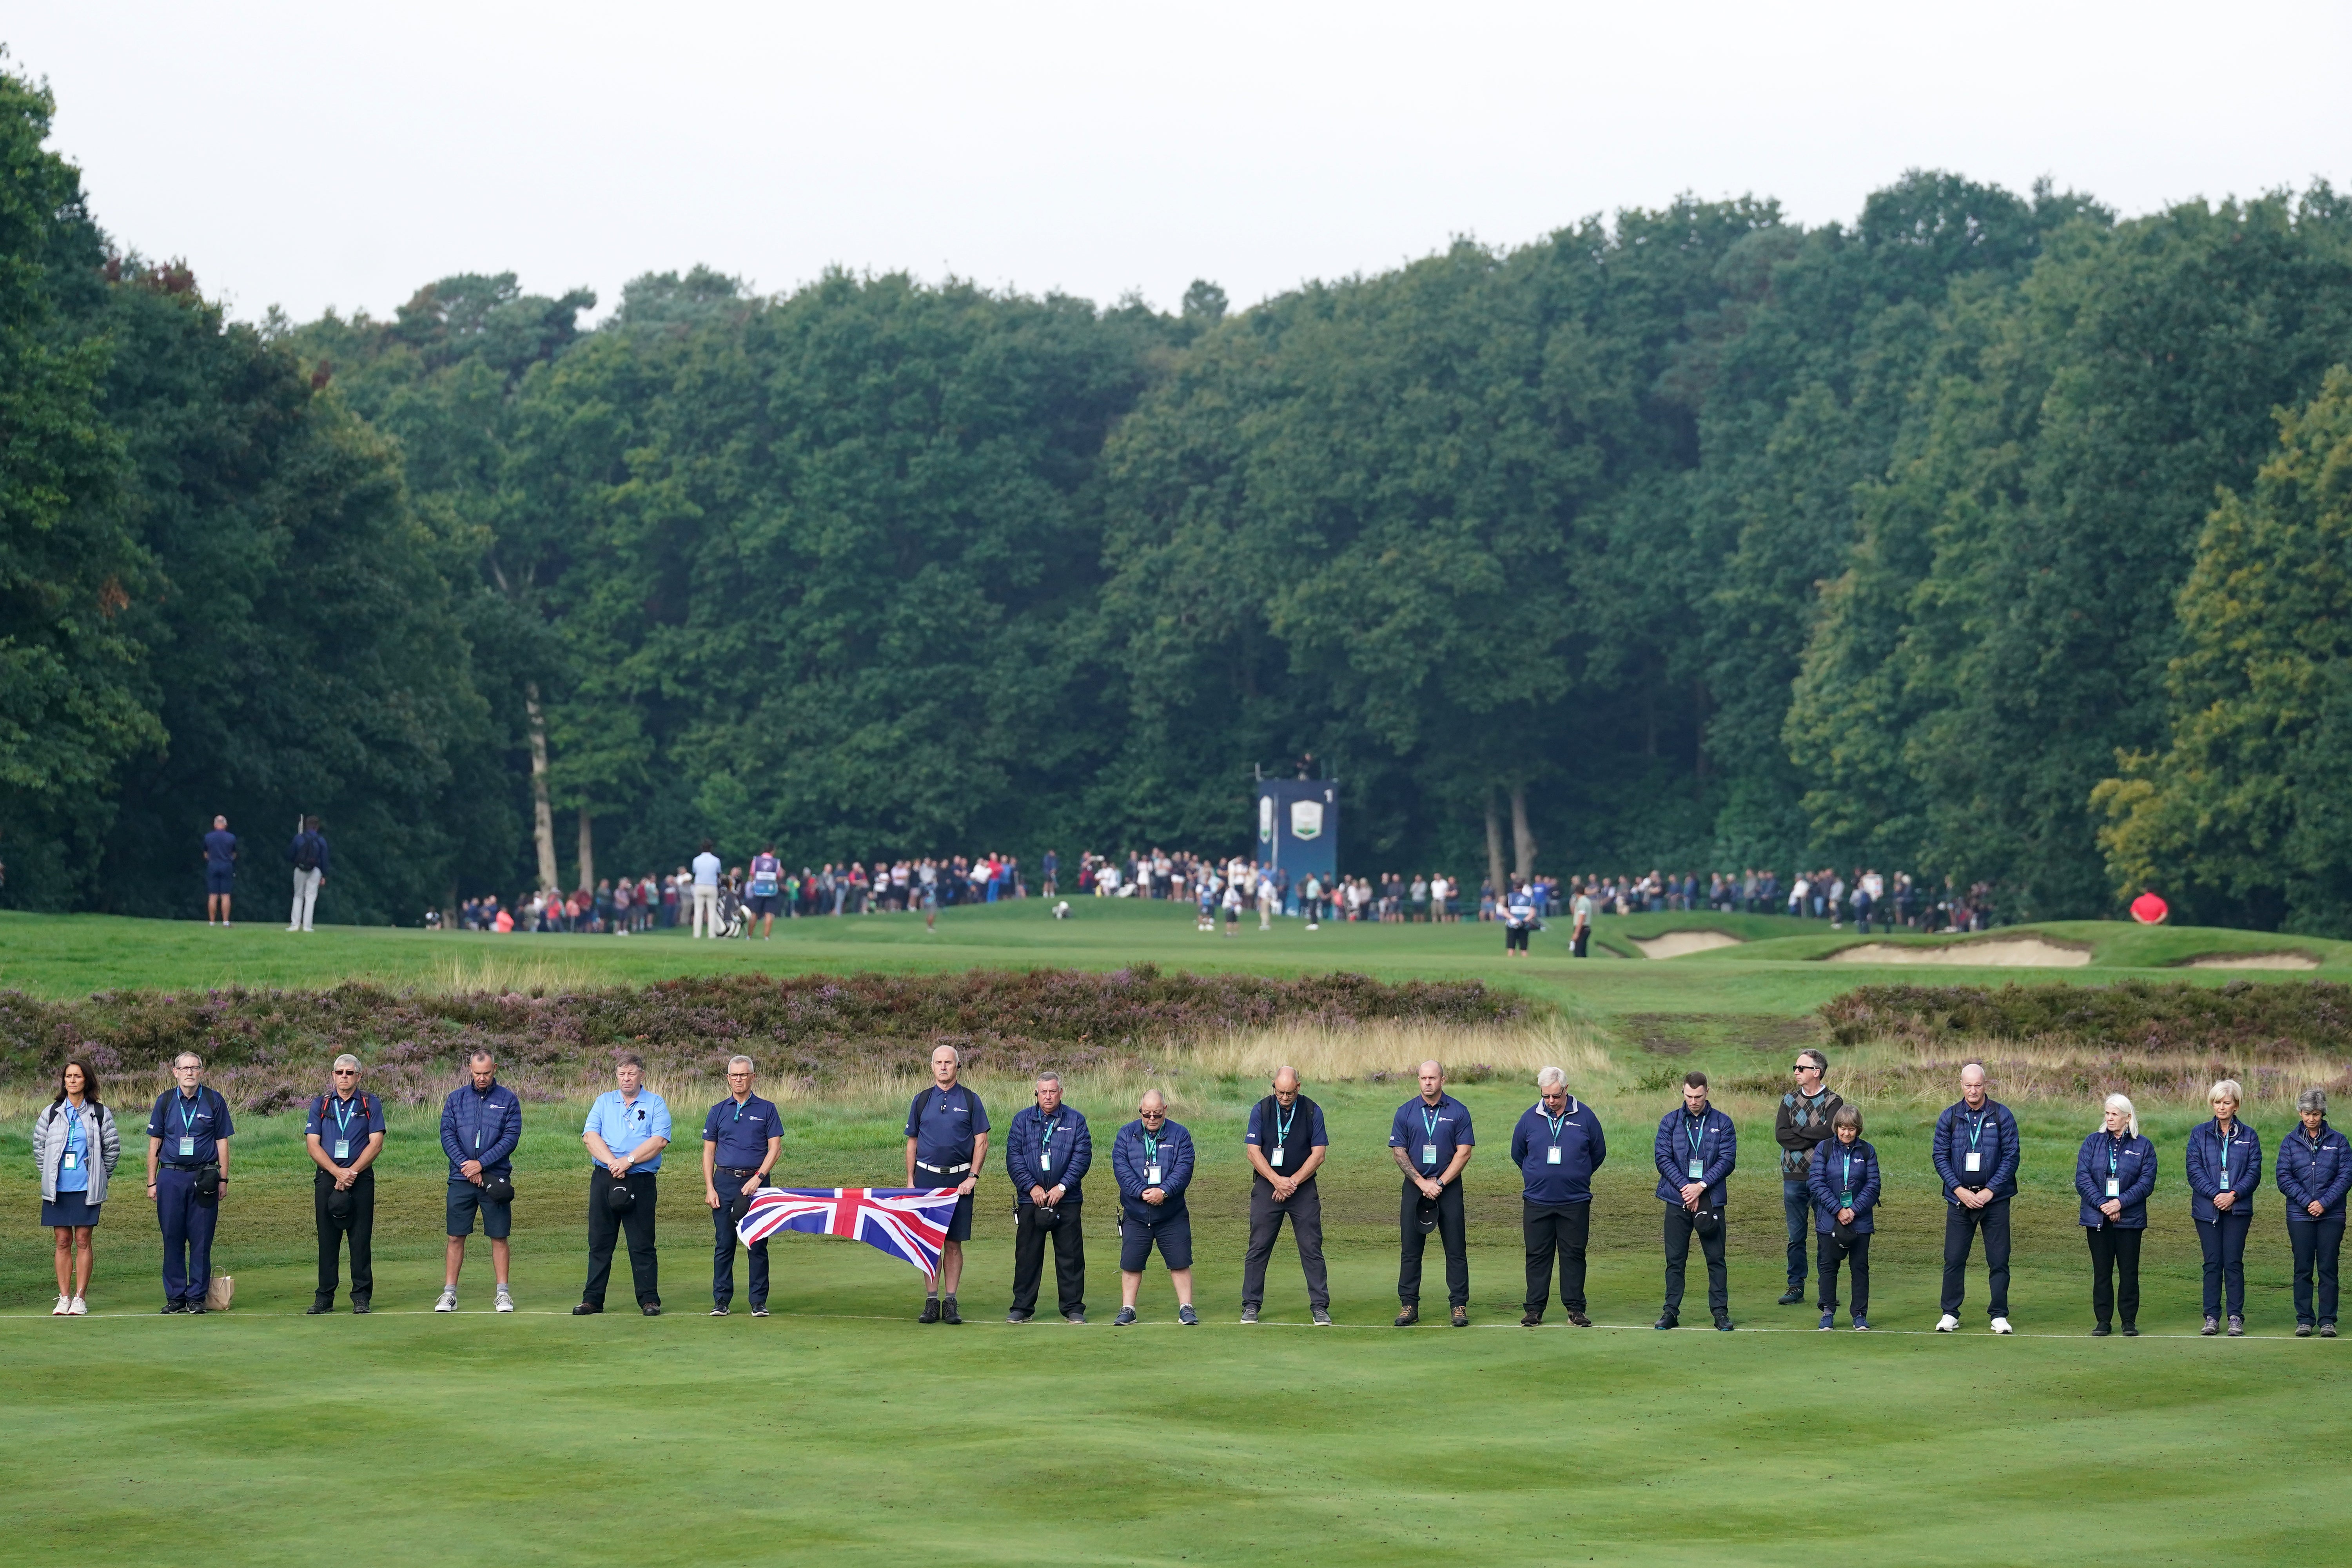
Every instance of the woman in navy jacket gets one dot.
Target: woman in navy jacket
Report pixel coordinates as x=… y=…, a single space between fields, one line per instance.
x=2315 y=1169
x=2225 y=1170
x=2115 y=1174
x=1844 y=1180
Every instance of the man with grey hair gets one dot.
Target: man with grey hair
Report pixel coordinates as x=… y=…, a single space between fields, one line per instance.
x=345 y=1134
x=1047 y=1153
x=1286 y=1144
x=626 y=1130
x=1803 y=1120
x=1430 y=1140
x=740 y=1139
x=2314 y=1172
x=1556 y=1145
x=947 y=1144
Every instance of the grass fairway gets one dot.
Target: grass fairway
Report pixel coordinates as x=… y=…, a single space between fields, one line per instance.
x=839 y=1431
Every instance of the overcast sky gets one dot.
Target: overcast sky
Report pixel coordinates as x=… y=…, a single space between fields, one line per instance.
x=306 y=154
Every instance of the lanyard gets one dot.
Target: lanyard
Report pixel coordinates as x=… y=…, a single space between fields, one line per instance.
x=1282 y=1123
x=1556 y=1123
x=1150 y=1149
x=1430 y=1120
x=2114 y=1156
x=1695 y=1132
x=1045 y=1131
x=2221 y=1140
x=187 y=1120
x=1977 y=1126
x=343 y=1109
x=1845 y=1181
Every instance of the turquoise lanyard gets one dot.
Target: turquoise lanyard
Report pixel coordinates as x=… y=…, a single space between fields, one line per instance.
x=1555 y=1124
x=1282 y=1123
x=343 y=1113
x=2114 y=1158
x=1976 y=1129
x=2221 y=1140
x=1430 y=1120
x=188 y=1121
x=1045 y=1131
x=1694 y=1133
x=1846 y=1183
x=1150 y=1150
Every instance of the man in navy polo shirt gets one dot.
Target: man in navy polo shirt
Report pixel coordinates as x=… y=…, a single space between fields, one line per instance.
x=1556 y=1146
x=740 y=1139
x=626 y=1130
x=1697 y=1148
x=1285 y=1144
x=1431 y=1141
x=220 y=871
x=947 y=1144
x=188 y=1129
x=345 y=1134
x=1047 y=1153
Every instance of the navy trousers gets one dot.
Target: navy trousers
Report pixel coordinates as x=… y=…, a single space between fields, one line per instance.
x=188 y=1227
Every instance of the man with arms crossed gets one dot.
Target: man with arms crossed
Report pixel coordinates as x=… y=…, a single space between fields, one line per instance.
x=344 y=1135
x=740 y=1139
x=188 y=1134
x=1047 y=1154
x=481 y=1122
x=1285 y=1144
x=627 y=1129
x=1431 y=1140
x=947 y=1144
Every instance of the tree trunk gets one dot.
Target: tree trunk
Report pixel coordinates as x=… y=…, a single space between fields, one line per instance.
x=1523 y=838
x=587 y=850
x=542 y=816
x=1495 y=848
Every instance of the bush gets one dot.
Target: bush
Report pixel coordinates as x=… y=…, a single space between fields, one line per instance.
x=2240 y=1017
x=266 y=1050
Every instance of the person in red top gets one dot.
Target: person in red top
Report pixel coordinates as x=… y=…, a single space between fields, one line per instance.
x=2149 y=910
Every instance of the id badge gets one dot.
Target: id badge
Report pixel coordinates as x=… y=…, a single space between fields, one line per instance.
x=1151 y=1175
x=1278 y=1152
x=342 y=1147
x=187 y=1148
x=1044 y=1162
x=2225 y=1179
x=1697 y=1169
x=2114 y=1188
x=1976 y=1163
x=73 y=1160
x=1429 y=1154
x=1551 y=1156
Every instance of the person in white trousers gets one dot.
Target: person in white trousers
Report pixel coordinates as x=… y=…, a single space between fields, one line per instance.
x=309 y=853
x=706 y=892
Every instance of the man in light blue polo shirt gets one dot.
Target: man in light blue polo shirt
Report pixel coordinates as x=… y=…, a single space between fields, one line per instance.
x=627 y=1130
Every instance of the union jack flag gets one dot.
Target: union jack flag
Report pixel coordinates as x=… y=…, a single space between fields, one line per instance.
x=908 y=1223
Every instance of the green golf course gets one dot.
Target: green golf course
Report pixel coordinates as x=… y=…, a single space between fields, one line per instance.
x=839 y=1430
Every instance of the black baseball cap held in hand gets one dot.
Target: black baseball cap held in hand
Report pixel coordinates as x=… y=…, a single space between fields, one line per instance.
x=1426 y=1215
x=498 y=1188
x=619 y=1199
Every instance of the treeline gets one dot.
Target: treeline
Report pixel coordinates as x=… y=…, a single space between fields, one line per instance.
x=1966 y=538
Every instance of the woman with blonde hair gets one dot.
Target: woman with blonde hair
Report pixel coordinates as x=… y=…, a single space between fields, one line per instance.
x=2114 y=1175
x=2225 y=1169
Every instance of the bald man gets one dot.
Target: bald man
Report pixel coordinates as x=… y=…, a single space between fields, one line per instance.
x=947 y=1145
x=1152 y=1158
x=1285 y=1144
x=1431 y=1141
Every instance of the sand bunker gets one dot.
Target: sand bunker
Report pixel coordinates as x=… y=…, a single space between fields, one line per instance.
x=2002 y=952
x=2253 y=961
x=1677 y=943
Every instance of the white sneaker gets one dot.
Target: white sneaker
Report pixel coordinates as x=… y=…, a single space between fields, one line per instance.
x=80 y=1308
x=63 y=1309
x=2000 y=1325
x=505 y=1302
x=448 y=1301
x=1947 y=1323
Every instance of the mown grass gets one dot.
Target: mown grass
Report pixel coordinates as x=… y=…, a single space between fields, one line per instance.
x=840 y=1431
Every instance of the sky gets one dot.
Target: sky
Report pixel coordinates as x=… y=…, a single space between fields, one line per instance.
x=305 y=156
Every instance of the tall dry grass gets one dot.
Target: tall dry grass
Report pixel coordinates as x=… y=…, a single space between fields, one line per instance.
x=2061 y=1071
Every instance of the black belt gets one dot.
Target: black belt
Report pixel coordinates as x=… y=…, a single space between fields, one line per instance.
x=737 y=1170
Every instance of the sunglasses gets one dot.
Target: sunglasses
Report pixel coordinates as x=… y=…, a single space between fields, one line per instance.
x=1154 y=1115
x=347 y=1072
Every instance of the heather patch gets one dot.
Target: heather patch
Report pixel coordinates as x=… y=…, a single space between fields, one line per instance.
x=267 y=1049
x=2241 y=1019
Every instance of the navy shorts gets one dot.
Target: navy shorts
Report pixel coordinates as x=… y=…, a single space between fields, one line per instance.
x=1173 y=1232
x=465 y=1200
x=220 y=880
x=760 y=904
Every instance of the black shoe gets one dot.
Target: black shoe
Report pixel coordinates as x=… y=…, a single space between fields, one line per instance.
x=1794 y=1298
x=1578 y=1319
x=587 y=1308
x=1078 y=1318
x=316 y=1308
x=198 y=1310
x=1461 y=1317
x=718 y=1312
x=171 y=1310
x=1723 y=1322
x=1017 y=1316
x=2131 y=1331
x=2100 y=1331
x=1532 y=1318
x=361 y=1308
x=948 y=1313
x=930 y=1311
x=1666 y=1320
x=1408 y=1318
x=760 y=1311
